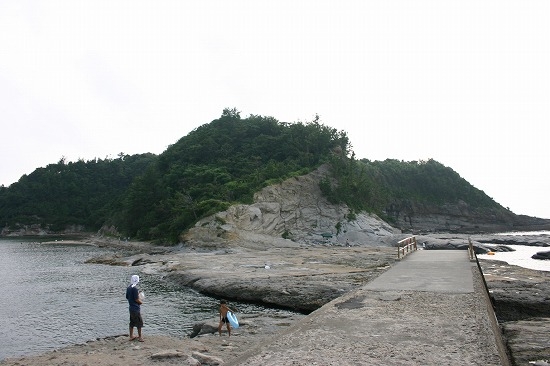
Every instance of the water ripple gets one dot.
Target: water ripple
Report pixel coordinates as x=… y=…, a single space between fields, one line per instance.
x=49 y=299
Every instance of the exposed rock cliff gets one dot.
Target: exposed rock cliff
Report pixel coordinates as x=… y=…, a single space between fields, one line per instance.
x=295 y=210
x=460 y=218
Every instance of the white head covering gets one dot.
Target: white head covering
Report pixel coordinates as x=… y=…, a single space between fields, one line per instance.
x=134 y=280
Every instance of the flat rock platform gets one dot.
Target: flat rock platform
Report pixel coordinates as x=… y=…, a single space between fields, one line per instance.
x=430 y=308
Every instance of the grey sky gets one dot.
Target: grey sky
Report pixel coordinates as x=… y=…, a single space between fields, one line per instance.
x=466 y=83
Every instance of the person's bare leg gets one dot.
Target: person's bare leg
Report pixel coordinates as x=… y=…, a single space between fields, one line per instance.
x=220 y=328
x=132 y=333
x=228 y=329
x=140 y=338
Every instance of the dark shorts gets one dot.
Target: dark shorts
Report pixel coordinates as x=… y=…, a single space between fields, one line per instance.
x=135 y=319
x=225 y=320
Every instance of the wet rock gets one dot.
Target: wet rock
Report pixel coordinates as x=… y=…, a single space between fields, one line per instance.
x=528 y=340
x=529 y=240
x=521 y=299
x=541 y=255
x=459 y=242
x=482 y=243
x=518 y=293
x=202 y=328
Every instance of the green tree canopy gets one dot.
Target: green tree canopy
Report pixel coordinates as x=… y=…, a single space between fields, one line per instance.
x=218 y=164
x=221 y=163
x=75 y=193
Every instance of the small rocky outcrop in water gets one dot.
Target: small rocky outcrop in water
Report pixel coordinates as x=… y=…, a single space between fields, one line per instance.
x=542 y=255
x=482 y=244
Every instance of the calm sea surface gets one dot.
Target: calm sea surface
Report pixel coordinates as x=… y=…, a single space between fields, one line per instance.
x=50 y=298
x=521 y=256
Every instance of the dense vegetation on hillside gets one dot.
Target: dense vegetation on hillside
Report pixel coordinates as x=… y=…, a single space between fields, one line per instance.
x=372 y=185
x=73 y=193
x=218 y=164
x=424 y=181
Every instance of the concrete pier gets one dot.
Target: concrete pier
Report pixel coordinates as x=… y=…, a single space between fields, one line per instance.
x=431 y=308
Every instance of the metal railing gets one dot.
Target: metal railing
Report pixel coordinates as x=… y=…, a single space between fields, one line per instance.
x=406 y=246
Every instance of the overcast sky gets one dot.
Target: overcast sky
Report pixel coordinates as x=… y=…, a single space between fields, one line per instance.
x=466 y=83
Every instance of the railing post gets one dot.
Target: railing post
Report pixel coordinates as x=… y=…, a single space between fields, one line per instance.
x=470 y=249
x=406 y=246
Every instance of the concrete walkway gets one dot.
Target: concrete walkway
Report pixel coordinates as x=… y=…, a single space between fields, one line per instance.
x=431 y=308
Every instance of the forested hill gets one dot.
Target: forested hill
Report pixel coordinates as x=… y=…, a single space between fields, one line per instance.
x=218 y=164
x=70 y=194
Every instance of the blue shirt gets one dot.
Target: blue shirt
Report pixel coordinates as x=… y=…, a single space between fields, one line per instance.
x=132 y=294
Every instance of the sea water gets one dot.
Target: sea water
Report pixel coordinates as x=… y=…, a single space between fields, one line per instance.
x=521 y=256
x=51 y=298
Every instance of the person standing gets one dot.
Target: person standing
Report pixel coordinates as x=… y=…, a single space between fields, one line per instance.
x=134 y=302
x=223 y=317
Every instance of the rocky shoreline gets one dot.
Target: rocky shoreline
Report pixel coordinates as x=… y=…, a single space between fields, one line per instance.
x=295 y=277
x=521 y=298
x=299 y=277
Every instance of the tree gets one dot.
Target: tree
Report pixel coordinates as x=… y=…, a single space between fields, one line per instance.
x=231 y=113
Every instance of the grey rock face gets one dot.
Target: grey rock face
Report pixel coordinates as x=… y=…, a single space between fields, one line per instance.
x=528 y=340
x=294 y=210
x=460 y=218
x=521 y=300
